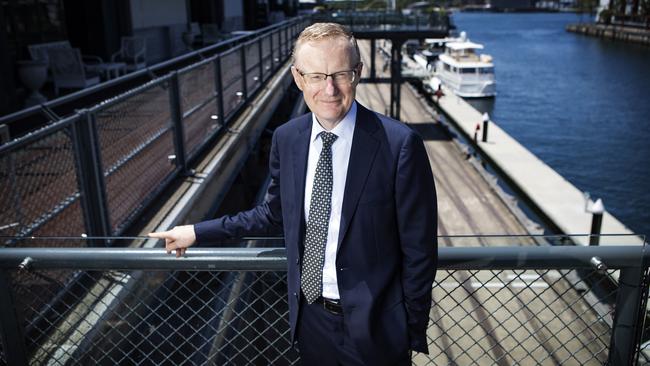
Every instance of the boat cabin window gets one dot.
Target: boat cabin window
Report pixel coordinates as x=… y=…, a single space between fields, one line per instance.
x=468 y=70
x=486 y=70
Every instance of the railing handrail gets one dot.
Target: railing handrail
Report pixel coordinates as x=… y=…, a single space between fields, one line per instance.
x=274 y=259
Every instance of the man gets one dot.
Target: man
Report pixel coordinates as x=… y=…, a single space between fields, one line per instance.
x=354 y=193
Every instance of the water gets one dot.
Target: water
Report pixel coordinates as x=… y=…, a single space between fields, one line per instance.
x=581 y=104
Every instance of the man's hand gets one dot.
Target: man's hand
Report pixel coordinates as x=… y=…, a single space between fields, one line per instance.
x=179 y=239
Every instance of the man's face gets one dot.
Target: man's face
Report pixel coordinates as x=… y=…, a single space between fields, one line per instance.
x=329 y=100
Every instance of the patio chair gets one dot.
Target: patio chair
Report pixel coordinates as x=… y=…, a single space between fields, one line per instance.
x=192 y=36
x=133 y=53
x=39 y=52
x=68 y=70
x=210 y=34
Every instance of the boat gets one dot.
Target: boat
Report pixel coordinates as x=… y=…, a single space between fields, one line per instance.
x=463 y=70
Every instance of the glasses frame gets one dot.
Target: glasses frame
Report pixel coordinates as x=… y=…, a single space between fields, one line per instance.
x=331 y=76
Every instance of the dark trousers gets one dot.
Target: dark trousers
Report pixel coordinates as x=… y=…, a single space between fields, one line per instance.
x=324 y=339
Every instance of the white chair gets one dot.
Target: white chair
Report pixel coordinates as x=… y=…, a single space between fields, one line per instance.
x=68 y=70
x=133 y=53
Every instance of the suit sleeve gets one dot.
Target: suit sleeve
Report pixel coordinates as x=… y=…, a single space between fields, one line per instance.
x=261 y=220
x=417 y=222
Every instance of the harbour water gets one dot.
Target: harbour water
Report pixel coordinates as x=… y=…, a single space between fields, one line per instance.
x=580 y=104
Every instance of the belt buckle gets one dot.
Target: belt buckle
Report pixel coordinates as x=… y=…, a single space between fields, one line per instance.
x=332 y=307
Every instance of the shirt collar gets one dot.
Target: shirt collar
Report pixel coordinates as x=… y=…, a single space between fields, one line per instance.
x=343 y=129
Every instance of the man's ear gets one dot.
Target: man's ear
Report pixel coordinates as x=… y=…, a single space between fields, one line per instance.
x=297 y=78
x=359 y=71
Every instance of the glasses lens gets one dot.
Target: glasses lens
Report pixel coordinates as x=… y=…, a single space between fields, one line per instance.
x=343 y=77
x=314 y=78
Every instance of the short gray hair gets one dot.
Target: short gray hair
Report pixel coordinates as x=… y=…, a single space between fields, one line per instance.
x=322 y=31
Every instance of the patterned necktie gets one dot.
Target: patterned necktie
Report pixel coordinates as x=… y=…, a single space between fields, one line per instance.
x=320 y=207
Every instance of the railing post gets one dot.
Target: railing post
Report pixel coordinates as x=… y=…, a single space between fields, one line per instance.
x=242 y=56
x=11 y=332
x=597 y=210
x=219 y=86
x=373 y=54
x=271 y=49
x=486 y=121
x=396 y=79
x=90 y=175
x=177 y=122
x=626 y=328
x=260 y=56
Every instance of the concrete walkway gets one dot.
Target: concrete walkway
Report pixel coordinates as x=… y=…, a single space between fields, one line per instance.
x=557 y=199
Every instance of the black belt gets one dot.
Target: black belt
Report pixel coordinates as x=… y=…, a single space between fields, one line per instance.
x=332 y=306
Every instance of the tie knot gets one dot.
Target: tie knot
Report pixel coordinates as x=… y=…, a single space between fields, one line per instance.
x=328 y=139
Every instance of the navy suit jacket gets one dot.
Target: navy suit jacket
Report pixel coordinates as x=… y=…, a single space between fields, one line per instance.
x=387 y=253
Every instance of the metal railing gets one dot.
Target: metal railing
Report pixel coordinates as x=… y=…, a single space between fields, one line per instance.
x=532 y=305
x=365 y=20
x=64 y=106
x=96 y=170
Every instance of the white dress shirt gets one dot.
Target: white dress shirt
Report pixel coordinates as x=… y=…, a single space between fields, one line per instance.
x=340 y=159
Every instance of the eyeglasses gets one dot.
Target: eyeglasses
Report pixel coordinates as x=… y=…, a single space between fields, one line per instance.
x=338 y=78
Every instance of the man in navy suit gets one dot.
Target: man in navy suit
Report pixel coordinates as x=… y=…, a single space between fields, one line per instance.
x=354 y=193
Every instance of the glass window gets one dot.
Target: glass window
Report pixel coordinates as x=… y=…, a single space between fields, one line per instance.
x=486 y=70
x=468 y=70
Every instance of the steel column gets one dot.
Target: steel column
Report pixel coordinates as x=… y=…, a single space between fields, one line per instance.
x=11 y=332
x=373 y=53
x=395 y=78
x=260 y=57
x=219 y=86
x=90 y=175
x=626 y=329
x=177 y=122
x=242 y=59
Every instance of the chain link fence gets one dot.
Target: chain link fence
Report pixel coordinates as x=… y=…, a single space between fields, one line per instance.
x=39 y=190
x=486 y=311
x=535 y=317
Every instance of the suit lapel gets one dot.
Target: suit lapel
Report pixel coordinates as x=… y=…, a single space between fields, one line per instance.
x=362 y=155
x=300 y=153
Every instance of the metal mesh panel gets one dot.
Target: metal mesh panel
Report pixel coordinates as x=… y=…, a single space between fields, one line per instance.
x=135 y=141
x=232 y=82
x=39 y=192
x=162 y=317
x=253 y=76
x=486 y=317
x=197 y=85
x=542 y=317
x=200 y=126
x=199 y=104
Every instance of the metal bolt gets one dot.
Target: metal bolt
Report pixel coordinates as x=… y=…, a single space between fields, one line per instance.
x=598 y=264
x=26 y=264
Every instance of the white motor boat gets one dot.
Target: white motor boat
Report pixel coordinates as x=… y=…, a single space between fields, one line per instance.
x=464 y=71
